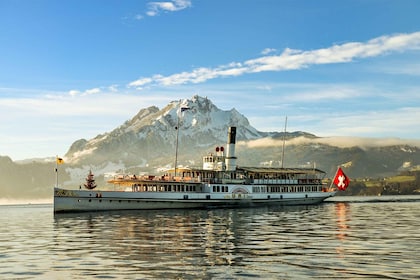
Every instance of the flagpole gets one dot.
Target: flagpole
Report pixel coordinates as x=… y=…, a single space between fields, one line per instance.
x=177 y=135
x=332 y=180
x=284 y=140
x=180 y=111
x=56 y=171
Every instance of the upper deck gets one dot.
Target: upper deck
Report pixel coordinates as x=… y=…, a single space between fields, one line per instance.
x=242 y=175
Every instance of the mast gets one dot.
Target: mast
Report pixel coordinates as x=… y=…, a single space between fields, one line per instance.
x=176 y=145
x=56 y=172
x=58 y=160
x=284 y=140
x=182 y=109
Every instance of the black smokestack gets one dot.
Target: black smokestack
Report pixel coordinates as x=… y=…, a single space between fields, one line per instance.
x=232 y=135
x=230 y=155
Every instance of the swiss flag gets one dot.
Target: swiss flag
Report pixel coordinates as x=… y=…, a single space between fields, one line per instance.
x=341 y=180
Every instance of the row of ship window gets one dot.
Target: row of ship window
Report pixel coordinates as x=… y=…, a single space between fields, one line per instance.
x=223 y=189
x=274 y=189
x=164 y=188
x=285 y=189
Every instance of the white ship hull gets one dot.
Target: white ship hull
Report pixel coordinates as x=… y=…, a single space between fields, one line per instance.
x=81 y=200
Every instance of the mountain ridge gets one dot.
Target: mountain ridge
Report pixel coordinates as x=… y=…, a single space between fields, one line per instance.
x=150 y=136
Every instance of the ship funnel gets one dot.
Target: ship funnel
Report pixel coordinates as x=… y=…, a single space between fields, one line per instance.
x=230 y=154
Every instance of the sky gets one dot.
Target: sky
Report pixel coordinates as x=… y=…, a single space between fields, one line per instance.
x=74 y=69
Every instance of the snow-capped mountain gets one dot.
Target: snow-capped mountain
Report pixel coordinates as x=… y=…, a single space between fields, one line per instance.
x=150 y=136
x=148 y=140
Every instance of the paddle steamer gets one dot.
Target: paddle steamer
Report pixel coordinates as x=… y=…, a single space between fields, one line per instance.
x=220 y=182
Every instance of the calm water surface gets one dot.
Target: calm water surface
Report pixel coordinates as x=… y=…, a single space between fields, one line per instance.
x=352 y=238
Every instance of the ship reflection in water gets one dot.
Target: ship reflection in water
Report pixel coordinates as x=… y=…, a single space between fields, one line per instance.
x=332 y=240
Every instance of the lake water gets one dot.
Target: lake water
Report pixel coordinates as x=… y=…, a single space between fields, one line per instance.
x=348 y=238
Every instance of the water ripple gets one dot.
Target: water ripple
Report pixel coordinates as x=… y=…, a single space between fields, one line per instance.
x=337 y=240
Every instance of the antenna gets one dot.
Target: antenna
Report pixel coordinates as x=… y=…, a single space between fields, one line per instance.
x=284 y=140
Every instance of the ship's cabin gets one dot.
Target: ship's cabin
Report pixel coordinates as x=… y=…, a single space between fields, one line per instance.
x=215 y=161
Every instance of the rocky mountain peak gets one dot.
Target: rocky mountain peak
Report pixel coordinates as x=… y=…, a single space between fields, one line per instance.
x=152 y=131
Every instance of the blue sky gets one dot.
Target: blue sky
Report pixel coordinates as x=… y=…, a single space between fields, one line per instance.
x=75 y=69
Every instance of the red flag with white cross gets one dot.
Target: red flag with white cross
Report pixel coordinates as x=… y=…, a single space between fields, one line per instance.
x=341 y=180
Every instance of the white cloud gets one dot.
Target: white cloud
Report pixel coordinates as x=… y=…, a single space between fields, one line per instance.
x=337 y=141
x=412 y=69
x=155 y=8
x=291 y=60
x=171 y=6
x=140 y=82
x=268 y=51
x=74 y=92
x=93 y=91
x=113 y=88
